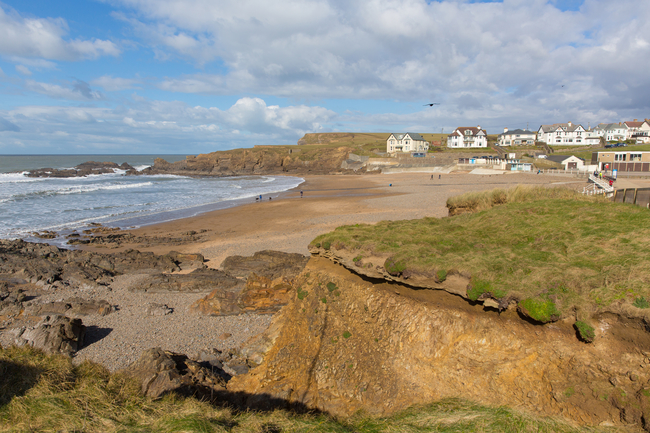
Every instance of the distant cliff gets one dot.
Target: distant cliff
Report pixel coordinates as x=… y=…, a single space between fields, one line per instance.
x=259 y=160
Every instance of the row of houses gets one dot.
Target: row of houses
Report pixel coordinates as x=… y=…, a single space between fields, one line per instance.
x=558 y=134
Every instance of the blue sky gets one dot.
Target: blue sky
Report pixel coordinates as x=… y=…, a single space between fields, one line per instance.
x=194 y=76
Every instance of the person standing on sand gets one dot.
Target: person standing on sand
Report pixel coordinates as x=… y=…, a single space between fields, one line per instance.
x=300 y=193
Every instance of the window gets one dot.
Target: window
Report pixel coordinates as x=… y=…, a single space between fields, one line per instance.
x=619 y=156
x=635 y=157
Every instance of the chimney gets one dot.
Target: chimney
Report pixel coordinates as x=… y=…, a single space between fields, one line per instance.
x=569 y=123
x=635 y=120
x=505 y=130
x=478 y=127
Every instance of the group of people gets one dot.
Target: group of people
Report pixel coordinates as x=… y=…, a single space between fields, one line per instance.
x=271 y=198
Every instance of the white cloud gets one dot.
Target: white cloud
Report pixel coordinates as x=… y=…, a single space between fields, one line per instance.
x=78 y=90
x=146 y=126
x=23 y=70
x=112 y=84
x=404 y=50
x=45 y=38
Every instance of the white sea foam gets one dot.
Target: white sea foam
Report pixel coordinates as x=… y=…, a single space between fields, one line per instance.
x=68 y=203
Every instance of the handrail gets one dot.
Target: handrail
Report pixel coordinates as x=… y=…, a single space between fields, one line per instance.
x=603 y=184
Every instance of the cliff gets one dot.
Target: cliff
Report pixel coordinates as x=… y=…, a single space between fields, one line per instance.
x=347 y=343
x=258 y=161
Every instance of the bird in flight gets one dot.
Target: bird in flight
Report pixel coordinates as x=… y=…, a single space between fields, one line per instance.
x=432 y=104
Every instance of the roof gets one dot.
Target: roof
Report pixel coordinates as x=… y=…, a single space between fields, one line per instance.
x=461 y=130
x=560 y=158
x=634 y=124
x=414 y=135
x=564 y=126
x=519 y=131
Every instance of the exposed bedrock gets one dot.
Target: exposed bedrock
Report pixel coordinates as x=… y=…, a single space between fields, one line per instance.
x=257 y=161
x=345 y=343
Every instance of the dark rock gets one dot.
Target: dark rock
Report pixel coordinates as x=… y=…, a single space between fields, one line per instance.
x=270 y=264
x=84 y=169
x=56 y=334
x=161 y=372
x=199 y=281
x=74 y=307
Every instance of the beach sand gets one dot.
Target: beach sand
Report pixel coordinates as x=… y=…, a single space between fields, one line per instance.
x=287 y=223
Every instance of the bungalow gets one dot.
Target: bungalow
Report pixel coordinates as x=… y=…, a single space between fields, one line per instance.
x=516 y=137
x=568 y=162
x=562 y=134
x=467 y=136
x=406 y=143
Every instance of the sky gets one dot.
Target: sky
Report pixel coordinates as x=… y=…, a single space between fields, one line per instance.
x=196 y=76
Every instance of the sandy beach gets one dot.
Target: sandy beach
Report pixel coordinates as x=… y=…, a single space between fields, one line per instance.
x=287 y=223
x=290 y=222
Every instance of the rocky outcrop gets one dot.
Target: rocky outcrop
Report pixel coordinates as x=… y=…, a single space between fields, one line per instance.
x=346 y=343
x=268 y=277
x=23 y=262
x=84 y=169
x=160 y=372
x=271 y=264
x=197 y=281
x=55 y=334
x=73 y=308
x=257 y=161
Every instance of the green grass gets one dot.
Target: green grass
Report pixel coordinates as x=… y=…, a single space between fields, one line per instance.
x=46 y=393
x=553 y=247
x=586 y=331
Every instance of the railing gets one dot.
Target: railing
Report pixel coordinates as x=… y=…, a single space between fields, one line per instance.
x=603 y=184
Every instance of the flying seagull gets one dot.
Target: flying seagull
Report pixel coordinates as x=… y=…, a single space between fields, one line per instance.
x=432 y=104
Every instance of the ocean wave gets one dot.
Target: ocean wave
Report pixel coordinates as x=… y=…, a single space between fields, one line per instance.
x=18 y=178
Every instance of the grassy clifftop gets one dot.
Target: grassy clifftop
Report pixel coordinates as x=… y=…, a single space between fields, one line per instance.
x=554 y=252
x=364 y=143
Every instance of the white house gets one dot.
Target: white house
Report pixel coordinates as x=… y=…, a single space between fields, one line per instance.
x=639 y=131
x=563 y=134
x=406 y=142
x=467 y=136
x=616 y=132
x=516 y=137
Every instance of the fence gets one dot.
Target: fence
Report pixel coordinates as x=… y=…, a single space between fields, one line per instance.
x=637 y=196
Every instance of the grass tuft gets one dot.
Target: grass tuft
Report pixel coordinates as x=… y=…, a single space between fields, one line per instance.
x=586 y=332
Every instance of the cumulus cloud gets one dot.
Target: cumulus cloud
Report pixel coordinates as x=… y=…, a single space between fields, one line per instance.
x=499 y=52
x=78 y=90
x=153 y=126
x=46 y=38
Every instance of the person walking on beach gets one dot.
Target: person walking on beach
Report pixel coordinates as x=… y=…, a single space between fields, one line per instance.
x=300 y=193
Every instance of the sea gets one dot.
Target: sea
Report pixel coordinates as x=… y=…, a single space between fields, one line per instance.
x=35 y=205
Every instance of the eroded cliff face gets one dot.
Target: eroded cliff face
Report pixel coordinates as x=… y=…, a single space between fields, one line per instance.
x=271 y=160
x=345 y=344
